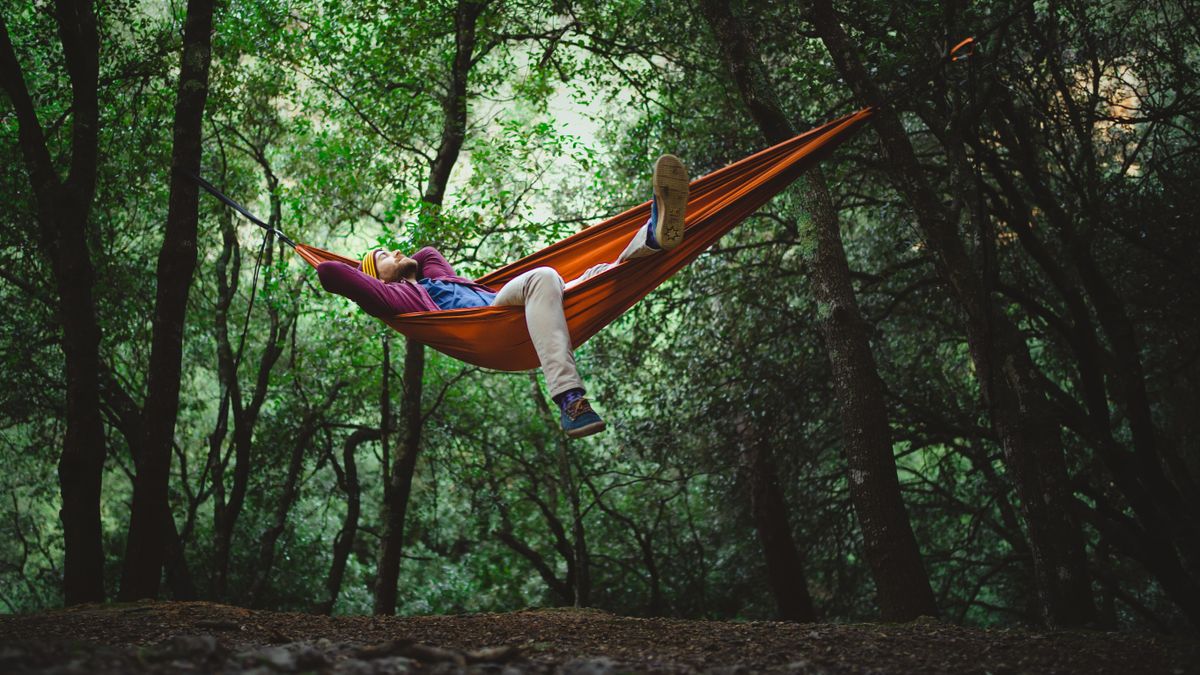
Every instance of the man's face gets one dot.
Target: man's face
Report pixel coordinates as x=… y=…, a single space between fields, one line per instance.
x=394 y=265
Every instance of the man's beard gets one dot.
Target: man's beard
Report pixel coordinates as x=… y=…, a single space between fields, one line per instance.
x=407 y=268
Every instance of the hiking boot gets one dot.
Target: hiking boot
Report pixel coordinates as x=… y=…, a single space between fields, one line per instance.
x=579 y=420
x=670 y=201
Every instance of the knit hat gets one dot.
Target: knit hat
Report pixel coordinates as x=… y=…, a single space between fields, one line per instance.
x=368 y=263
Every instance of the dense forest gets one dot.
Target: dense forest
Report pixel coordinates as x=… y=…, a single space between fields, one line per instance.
x=953 y=371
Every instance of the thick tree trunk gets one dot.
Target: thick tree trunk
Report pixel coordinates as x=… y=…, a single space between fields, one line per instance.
x=901 y=584
x=1008 y=378
x=145 y=547
x=343 y=543
x=63 y=208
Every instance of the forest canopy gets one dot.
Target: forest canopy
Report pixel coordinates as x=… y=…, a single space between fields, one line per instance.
x=953 y=371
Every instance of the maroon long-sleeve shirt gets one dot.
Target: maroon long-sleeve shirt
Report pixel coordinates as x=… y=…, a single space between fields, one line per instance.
x=379 y=298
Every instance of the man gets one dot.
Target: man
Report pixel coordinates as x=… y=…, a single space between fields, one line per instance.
x=389 y=283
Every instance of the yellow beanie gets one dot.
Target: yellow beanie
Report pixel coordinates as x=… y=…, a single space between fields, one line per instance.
x=368 y=263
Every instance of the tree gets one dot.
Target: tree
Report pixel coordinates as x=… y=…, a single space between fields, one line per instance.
x=454 y=129
x=343 y=543
x=176 y=262
x=1009 y=383
x=63 y=206
x=1061 y=157
x=900 y=580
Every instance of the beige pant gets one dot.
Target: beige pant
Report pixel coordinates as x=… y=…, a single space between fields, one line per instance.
x=540 y=291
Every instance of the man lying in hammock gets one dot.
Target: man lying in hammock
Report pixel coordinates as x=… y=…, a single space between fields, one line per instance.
x=388 y=283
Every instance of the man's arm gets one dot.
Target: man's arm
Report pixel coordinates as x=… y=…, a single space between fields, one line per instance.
x=375 y=297
x=432 y=264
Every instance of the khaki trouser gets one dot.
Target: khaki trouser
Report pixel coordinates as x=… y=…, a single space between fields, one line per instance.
x=540 y=290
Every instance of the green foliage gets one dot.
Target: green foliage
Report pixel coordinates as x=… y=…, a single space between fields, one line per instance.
x=327 y=115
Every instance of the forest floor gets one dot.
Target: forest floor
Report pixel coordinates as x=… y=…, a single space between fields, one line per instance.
x=181 y=637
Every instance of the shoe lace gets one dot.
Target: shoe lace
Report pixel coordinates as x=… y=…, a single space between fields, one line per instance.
x=578 y=407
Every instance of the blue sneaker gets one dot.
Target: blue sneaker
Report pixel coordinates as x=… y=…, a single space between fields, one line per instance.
x=670 y=201
x=579 y=420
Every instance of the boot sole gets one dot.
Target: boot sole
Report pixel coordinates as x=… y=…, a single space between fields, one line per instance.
x=587 y=430
x=671 y=190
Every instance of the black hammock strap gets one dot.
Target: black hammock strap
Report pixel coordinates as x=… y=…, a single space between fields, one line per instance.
x=239 y=208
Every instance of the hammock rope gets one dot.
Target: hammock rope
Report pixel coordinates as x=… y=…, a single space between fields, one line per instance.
x=497 y=338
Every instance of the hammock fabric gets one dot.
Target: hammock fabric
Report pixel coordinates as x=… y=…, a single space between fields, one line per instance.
x=496 y=337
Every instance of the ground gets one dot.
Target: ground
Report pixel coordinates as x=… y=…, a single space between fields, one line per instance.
x=173 y=637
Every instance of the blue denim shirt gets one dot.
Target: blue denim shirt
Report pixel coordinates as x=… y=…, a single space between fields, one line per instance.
x=453 y=295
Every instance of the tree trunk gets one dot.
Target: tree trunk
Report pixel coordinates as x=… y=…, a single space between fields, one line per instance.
x=245 y=414
x=454 y=131
x=785 y=565
x=399 y=486
x=578 y=562
x=343 y=543
x=901 y=584
x=179 y=575
x=63 y=208
x=291 y=493
x=1009 y=382
x=145 y=549
x=125 y=415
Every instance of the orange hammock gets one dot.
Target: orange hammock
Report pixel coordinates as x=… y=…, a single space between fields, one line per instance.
x=496 y=337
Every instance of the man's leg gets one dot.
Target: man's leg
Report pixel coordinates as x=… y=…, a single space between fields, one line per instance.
x=540 y=291
x=664 y=230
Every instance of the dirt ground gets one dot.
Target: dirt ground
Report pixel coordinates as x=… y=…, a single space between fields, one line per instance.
x=176 y=637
